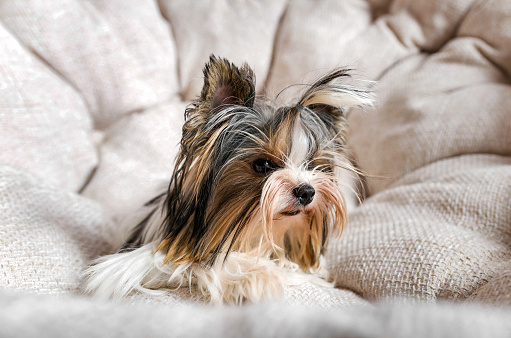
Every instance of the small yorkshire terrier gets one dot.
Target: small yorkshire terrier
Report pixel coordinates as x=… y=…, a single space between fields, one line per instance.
x=253 y=199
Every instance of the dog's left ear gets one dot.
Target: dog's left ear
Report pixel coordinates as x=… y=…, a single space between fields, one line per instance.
x=226 y=84
x=330 y=96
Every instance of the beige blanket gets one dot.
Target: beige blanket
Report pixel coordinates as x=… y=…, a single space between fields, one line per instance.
x=92 y=102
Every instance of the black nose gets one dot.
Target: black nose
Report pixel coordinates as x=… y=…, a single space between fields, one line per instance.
x=304 y=194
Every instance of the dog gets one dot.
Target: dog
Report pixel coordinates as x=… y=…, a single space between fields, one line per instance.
x=253 y=200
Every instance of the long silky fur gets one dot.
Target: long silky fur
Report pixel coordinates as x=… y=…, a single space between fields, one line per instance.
x=221 y=227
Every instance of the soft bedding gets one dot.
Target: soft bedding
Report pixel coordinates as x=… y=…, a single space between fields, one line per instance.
x=92 y=101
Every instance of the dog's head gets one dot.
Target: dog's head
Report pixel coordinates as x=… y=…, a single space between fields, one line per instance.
x=257 y=178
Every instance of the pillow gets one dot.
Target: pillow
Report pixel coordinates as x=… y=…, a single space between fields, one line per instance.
x=441 y=231
x=48 y=234
x=118 y=55
x=45 y=127
x=241 y=31
x=137 y=158
x=436 y=150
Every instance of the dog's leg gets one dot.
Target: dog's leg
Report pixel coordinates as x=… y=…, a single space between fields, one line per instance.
x=243 y=277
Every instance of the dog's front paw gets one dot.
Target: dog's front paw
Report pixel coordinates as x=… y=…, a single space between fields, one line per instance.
x=241 y=278
x=253 y=283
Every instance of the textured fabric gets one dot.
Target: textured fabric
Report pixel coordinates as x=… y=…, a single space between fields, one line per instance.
x=137 y=157
x=93 y=96
x=438 y=222
x=201 y=29
x=448 y=96
x=118 y=54
x=45 y=127
x=439 y=232
x=85 y=318
x=47 y=235
x=497 y=291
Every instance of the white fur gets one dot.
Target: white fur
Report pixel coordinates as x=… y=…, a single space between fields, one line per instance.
x=339 y=94
x=299 y=144
x=241 y=276
x=117 y=275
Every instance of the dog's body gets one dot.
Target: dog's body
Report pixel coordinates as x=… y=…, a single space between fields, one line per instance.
x=253 y=200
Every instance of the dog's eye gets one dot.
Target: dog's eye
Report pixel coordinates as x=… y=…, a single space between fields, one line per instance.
x=328 y=169
x=263 y=166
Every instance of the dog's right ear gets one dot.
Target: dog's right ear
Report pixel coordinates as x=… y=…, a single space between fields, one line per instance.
x=226 y=84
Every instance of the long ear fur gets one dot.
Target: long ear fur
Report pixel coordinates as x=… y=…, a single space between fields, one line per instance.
x=331 y=95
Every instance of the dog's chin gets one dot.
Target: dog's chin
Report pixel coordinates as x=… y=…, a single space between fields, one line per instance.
x=297 y=210
x=288 y=212
x=294 y=212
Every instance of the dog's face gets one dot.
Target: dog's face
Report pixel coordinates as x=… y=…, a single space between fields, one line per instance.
x=255 y=178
